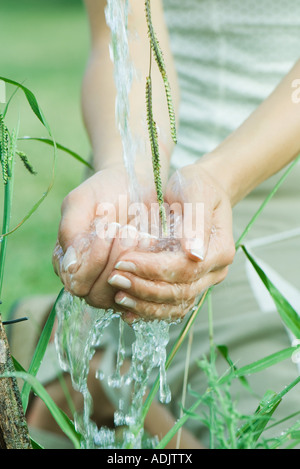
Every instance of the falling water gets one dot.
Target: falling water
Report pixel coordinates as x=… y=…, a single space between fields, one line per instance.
x=82 y=327
x=79 y=333
x=116 y=14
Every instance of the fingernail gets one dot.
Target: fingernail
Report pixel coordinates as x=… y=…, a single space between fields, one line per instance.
x=198 y=254
x=125 y=301
x=126 y=266
x=69 y=259
x=120 y=281
x=196 y=247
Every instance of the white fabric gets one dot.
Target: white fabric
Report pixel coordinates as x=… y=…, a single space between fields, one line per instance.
x=230 y=54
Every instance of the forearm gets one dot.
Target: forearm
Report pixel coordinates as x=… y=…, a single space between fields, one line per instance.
x=99 y=90
x=266 y=142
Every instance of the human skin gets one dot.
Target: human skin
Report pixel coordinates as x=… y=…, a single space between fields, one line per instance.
x=141 y=283
x=160 y=284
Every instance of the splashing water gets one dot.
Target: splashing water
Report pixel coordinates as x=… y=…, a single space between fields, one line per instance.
x=79 y=333
x=81 y=327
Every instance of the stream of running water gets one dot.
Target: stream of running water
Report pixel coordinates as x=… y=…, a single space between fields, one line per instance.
x=81 y=328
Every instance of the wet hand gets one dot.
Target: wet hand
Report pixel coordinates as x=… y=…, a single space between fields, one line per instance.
x=94 y=232
x=84 y=242
x=166 y=284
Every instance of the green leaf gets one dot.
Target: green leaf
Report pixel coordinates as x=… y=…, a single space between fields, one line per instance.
x=35 y=445
x=261 y=364
x=224 y=352
x=266 y=201
x=287 y=313
x=65 y=424
x=31 y=100
x=38 y=112
x=266 y=408
x=264 y=412
x=60 y=147
x=39 y=352
x=178 y=424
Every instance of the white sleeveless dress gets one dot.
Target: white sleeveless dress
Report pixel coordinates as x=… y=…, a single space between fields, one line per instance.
x=230 y=55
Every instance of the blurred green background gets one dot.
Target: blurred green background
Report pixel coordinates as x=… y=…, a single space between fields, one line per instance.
x=44 y=45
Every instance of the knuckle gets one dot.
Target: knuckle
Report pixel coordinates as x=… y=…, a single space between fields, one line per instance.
x=79 y=289
x=183 y=292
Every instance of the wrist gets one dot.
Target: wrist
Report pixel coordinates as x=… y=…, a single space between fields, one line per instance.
x=213 y=165
x=225 y=170
x=142 y=167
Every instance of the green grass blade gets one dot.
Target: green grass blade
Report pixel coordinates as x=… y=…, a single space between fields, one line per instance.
x=38 y=112
x=60 y=417
x=39 y=352
x=224 y=352
x=260 y=365
x=35 y=445
x=266 y=201
x=31 y=100
x=60 y=147
x=9 y=101
x=267 y=406
x=168 y=437
x=287 y=313
x=264 y=412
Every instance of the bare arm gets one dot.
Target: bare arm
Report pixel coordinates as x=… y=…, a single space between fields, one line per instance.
x=266 y=142
x=99 y=91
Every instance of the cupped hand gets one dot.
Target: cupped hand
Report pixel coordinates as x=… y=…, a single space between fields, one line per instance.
x=94 y=231
x=165 y=284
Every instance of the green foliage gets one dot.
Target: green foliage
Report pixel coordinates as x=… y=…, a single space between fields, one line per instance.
x=25 y=160
x=158 y=55
x=8 y=150
x=229 y=429
x=152 y=128
x=284 y=308
x=4 y=144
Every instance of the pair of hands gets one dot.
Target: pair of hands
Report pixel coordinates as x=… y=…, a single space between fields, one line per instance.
x=114 y=265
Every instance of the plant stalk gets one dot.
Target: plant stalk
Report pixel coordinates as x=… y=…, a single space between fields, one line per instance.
x=5 y=227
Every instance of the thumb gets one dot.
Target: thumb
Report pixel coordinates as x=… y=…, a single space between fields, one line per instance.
x=196 y=228
x=191 y=204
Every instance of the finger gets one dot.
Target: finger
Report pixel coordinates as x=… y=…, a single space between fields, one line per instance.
x=192 y=202
x=171 y=267
x=176 y=266
x=101 y=293
x=154 y=291
x=221 y=249
x=83 y=262
x=85 y=238
x=162 y=292
x=57 y=258
x=150 y=311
